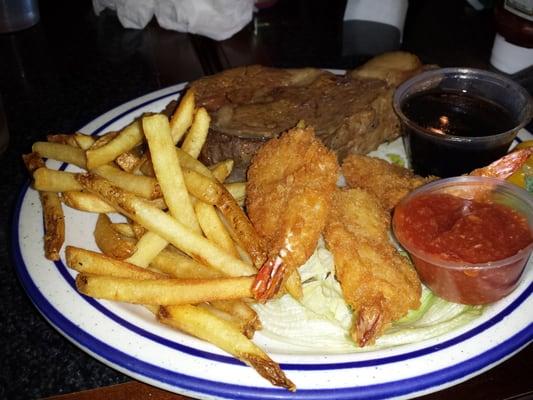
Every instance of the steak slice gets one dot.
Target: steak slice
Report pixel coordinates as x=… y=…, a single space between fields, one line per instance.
x=220 y=146
x=249 y=105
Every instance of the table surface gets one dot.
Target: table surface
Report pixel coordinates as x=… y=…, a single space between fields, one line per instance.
x=74 y=66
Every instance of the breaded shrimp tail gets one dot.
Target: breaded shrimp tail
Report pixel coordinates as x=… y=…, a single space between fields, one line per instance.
x=369 y=322
x=377 y=282
x=290 y=184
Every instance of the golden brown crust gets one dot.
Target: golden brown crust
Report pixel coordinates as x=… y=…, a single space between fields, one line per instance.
x=290 y=183
x=388 y=182
x=289 y=189
x=54 y=224
x=33 y=161
x=378 y=283
x=241 y=226
x=269 y=370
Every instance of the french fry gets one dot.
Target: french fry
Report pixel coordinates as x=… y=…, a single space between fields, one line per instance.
x=238 y=309
x=293 y=285
x=130 y=160
x=202 y=187
x=143 y=186
x=178 y=265
x=54 y=224
x=203 y=324
x=90 y=262
x=225 y=316
x=242 y=312
x=50 y=180
x=47 y=179
x=164 y=291
x=124 y=229
x=103 y=140
x=241 y=229
x=182 y=118
x=168 y=171
x=88 y=202
x=146 y=168
x=148 y=247
x=138 y=229
x=158 y=203
x=242 y=253
x=191 y=163
x=109 y=241
x=157 y=221
x=127 y=139
x=213 y=228
x=195 y=139
x=161 y=259
x=63 y=139
x=84 y=141
x=61 y=152
x=237 y=191
x=54 y=220
x=222 y=170
x=186 y=161
x=33 y=161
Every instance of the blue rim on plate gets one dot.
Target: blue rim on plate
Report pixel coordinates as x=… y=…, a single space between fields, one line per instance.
x=193 y=384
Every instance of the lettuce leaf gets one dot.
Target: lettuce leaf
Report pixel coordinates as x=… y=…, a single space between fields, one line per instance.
x=321 y=321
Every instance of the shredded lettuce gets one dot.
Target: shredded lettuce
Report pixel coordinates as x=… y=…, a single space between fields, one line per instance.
x=321 y=321
x=396 y=159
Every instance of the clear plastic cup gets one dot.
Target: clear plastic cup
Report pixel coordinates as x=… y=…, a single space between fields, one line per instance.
x=16 y=15
x=469 y=92
x=462 y=281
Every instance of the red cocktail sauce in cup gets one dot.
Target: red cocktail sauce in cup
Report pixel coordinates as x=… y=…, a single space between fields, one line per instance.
x=469 y=237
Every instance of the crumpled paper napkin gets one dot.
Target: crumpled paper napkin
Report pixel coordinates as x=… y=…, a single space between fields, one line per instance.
x=216 y=19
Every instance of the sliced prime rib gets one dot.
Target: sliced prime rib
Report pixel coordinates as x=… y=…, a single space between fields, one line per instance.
x=249 y=105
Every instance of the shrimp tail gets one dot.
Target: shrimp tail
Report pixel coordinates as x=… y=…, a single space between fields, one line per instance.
x=269 y=278
x=505 y=166
x=368 y=324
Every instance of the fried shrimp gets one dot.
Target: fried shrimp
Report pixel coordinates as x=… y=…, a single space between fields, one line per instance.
x=388 y=182
x=505 y=166
x=290 y=184
x=391 y=182
x=377 y=282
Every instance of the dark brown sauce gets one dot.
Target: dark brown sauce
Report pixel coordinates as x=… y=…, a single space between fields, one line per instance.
x=443 y=114
x=457 y=114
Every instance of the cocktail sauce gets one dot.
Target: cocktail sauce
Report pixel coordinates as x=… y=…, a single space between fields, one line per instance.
x=463 y=234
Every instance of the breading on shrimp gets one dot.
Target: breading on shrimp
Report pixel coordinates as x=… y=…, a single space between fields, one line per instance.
x=290 y=184
x=378 y=282
x=388 y=182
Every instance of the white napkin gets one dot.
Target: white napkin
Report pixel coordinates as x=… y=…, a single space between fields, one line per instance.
x=216 y=19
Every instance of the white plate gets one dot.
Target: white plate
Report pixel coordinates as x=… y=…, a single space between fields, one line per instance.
x=128 y=339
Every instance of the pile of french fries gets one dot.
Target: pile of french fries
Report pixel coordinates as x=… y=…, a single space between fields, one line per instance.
x=186 y=250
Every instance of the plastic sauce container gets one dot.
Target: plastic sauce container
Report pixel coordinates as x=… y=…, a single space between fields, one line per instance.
x=455 y=120
x=469 y=237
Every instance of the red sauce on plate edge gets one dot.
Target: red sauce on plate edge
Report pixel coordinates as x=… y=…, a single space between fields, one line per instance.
x=448 y=228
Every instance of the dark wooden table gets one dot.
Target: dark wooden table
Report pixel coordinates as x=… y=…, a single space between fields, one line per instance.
x=73 y=66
